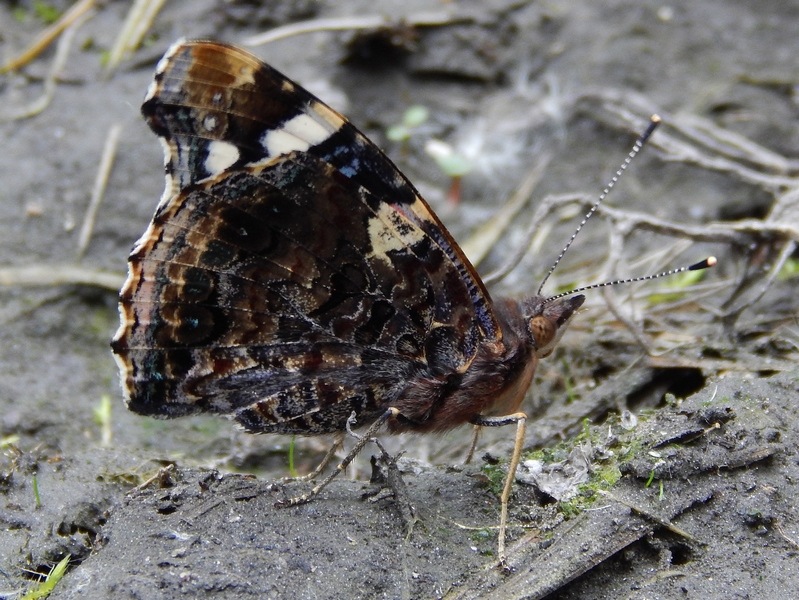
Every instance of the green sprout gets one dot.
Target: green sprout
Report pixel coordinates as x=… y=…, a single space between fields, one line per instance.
x=47 y=13
x=789 y=270
x=678 y=283
x=414 y=117
x=44 y=588
x=9 y=440
x=105 y=58
x=568 y=383
x=453 y=164
x=37 y=499
x=651 y=478
x=102 y=417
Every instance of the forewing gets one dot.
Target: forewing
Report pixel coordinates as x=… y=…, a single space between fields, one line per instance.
x=217 y=108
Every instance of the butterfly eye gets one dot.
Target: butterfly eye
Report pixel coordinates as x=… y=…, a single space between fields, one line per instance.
x=544 y=332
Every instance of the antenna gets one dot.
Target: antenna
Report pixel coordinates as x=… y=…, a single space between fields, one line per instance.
x=654 y=121
x=710 y=261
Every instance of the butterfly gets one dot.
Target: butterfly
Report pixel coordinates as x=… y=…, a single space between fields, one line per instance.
x=293 y=279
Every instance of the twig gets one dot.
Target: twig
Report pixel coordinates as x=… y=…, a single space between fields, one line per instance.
x=651 y=516
x=792 y=542
x=78 y=10
x=537 y=231
x=482 y=240
x=705 y=145
x=350 y=23
x=617 y=235
x=62 y=52
x=163 y=474
x=98 y=191
x=51 y=275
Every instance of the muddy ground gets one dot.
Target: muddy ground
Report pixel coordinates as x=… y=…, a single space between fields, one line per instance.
x=692 y=497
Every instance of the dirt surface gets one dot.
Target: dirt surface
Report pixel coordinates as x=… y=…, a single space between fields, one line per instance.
x=693 y=496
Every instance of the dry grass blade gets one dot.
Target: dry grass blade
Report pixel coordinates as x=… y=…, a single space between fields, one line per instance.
x=100 y=182
x=349 y=24
x=54 y=275
x=62 y=53
x=485 y=237
x=137 y=23
x=78 y=11
x=697 y=141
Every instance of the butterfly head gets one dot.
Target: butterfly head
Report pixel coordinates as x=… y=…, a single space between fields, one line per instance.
x=547 y=319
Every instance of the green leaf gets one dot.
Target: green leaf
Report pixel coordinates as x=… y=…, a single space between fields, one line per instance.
x=47 y=13
x=415 y=116
x=789 y=270
x=44 y=588
x=678 y=283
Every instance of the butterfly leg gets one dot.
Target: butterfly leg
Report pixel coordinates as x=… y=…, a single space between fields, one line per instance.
x=473 y=447
x=356 y=449
x=337 y=443
x=521 y=423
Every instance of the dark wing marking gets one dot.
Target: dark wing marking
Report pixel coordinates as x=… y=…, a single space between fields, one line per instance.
x=290 y=275
x=218 y=108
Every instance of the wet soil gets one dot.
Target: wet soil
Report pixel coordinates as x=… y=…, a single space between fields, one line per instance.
x=694 y=500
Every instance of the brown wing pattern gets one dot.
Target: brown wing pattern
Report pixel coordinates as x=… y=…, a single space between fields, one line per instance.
x=212 y=92
x=291 y=274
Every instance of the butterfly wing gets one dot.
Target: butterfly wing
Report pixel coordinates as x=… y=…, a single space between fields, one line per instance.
x=291 y=274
